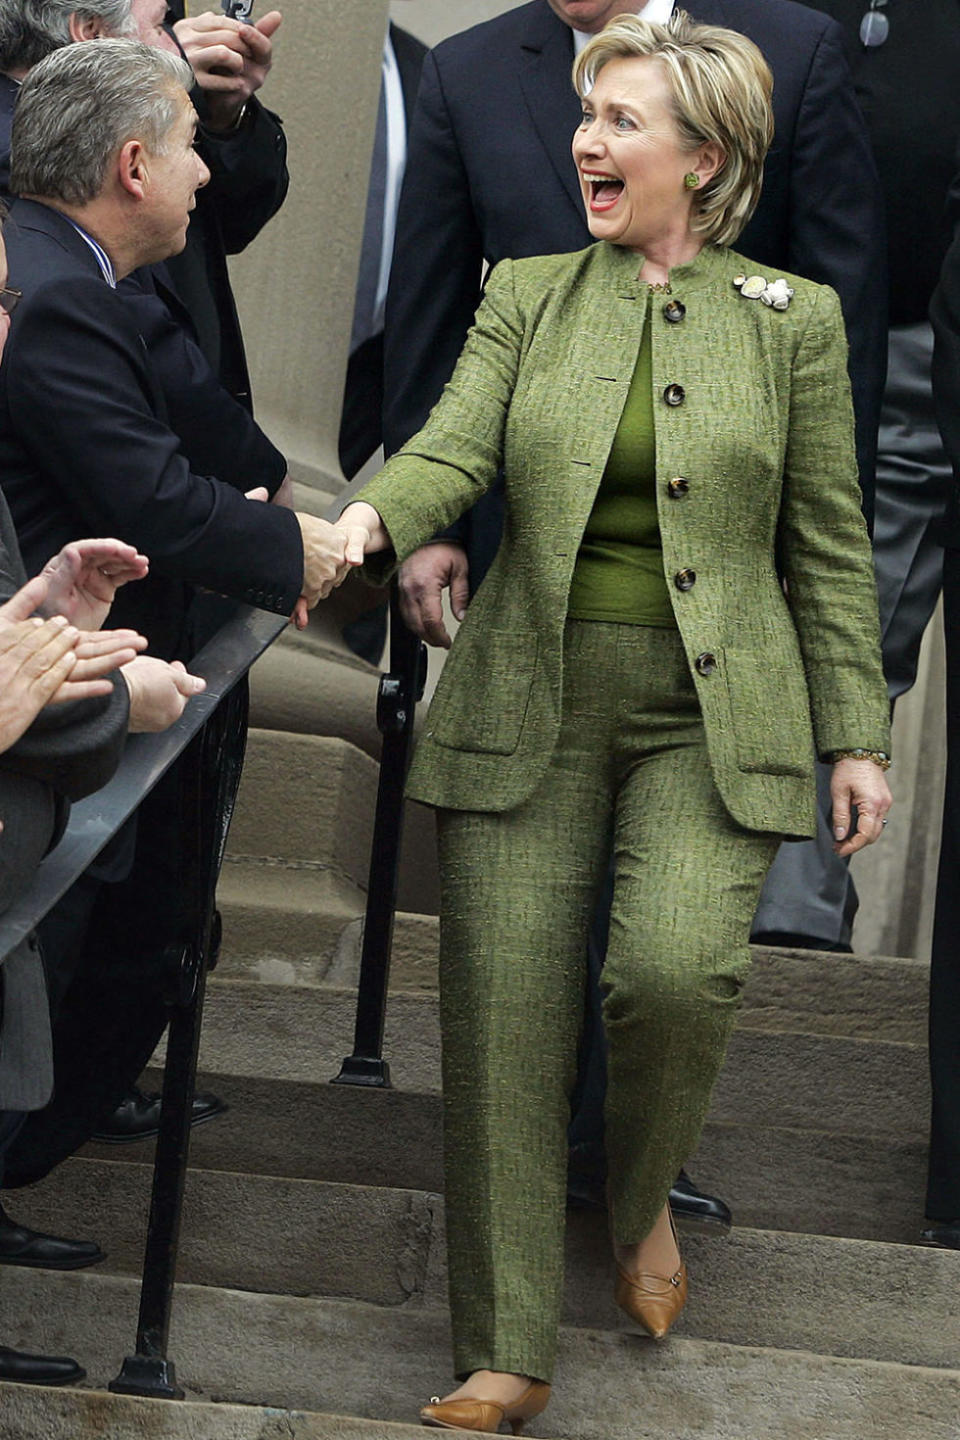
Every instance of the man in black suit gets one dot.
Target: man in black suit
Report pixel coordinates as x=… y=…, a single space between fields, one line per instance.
x=186 y=303
x=490 y=175
x=85 y=444
x=361 y=422
x=942 y=1207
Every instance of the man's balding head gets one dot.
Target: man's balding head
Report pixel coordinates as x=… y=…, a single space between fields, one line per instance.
x=32 y=29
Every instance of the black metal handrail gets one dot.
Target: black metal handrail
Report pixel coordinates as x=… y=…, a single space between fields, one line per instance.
x=207 y=736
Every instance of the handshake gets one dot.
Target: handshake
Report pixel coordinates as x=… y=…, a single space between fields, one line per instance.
x=330 y=552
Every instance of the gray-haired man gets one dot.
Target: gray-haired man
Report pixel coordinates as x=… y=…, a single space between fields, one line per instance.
x=106 y=173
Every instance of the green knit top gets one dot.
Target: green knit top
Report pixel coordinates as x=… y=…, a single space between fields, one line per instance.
x=619 y=570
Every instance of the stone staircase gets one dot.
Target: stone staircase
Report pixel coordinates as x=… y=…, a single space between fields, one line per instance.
x=312 y=1266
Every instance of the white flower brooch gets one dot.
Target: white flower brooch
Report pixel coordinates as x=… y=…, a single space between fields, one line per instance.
x=776 y=293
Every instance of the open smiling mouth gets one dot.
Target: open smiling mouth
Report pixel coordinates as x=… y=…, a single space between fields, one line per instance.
x=605 y=191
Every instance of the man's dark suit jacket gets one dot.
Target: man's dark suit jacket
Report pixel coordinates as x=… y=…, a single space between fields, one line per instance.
x=86 y=447
x=217 y=432
x=361 y=421
x=490 y=175
x=248 y=184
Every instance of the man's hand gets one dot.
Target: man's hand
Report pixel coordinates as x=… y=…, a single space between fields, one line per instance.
x=422 y=581
x=159 y=691
x=84 y=577
x=325 y=563
x=231 y=60
x=858 y=783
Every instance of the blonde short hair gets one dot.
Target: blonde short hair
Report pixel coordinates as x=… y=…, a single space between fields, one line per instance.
x=721 y=87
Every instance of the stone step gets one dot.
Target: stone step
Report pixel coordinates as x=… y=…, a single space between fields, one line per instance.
x=291 y=925
x=309 y=800
x=363 y=1360
x=774 y=1178
x=29 y=1412
x=387 y=1246
x=279 y=924
x=857 y=1086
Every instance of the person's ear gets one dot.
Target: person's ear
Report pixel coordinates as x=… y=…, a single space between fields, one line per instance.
x=85 y=27
x=132 y=170
x=710 y=158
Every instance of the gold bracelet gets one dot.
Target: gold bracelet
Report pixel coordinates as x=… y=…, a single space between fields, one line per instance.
x=877 y=756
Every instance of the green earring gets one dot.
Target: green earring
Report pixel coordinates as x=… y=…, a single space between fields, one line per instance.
x=691 y=180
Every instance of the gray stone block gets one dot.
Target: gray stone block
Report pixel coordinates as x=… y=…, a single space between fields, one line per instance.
x=362 y=1360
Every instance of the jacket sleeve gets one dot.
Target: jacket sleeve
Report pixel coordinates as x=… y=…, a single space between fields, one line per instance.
x=827 y=563
x=217 y=435
x=837 y=231
x=436 y=275
x=945 y=315
x=84 y=402
x=248 y=173
x=456 y=457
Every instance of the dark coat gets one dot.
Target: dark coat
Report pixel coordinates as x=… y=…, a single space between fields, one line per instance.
x=248 y=184
x=86 y=448
x=490 y=176
x=68 y=751
x=361 y=422
x=217 y=431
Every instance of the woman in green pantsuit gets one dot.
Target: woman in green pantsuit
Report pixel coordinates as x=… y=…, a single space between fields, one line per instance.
x=681 y=616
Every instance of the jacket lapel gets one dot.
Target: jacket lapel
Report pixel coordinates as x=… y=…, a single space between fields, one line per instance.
x=545 y=61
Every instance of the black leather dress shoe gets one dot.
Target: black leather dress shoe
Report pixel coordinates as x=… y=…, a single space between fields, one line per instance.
x=39 y=1369
x=137 y=1117
x=944 y=1234
x=20 y=1246
x=694 y=1210
x=691 y=1208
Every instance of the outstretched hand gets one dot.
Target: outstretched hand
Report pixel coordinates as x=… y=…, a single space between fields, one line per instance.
x=860 y=785
x=84 y=577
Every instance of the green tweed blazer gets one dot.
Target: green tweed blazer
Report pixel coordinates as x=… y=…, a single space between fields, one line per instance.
x=753 y=416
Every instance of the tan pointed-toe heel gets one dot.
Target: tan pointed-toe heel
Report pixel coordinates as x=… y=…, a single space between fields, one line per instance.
x=486 y=1416
x=653 y=1301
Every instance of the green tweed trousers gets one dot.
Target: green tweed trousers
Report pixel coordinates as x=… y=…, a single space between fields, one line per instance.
x=518 y=891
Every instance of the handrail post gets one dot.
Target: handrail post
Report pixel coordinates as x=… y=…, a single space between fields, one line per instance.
x=213 y=763
x=400 y=689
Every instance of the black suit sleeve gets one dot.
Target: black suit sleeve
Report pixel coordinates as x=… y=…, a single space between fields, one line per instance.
x=77 y=367
x=248 y=173
x=945 y=315
x=435 y=278
x=837 y=230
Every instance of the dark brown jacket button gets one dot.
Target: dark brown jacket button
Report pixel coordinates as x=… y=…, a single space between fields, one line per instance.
x=677 y=487
x=705 y=663
x=674 y=394
x=674 y=311
x=685 y=579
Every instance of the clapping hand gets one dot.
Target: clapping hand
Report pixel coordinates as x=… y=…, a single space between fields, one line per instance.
x=51 y=661
x=84 y=577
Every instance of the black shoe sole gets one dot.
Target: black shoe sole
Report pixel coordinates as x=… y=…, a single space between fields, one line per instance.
x=702 y=1224
x=77 y=1379
x=104 y=1139
x=100 y=1256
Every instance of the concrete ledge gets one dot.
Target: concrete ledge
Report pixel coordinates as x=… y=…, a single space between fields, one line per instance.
x=36 y=1413
x=812 y=1292
x=354 y=1359
x=825 y=1082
